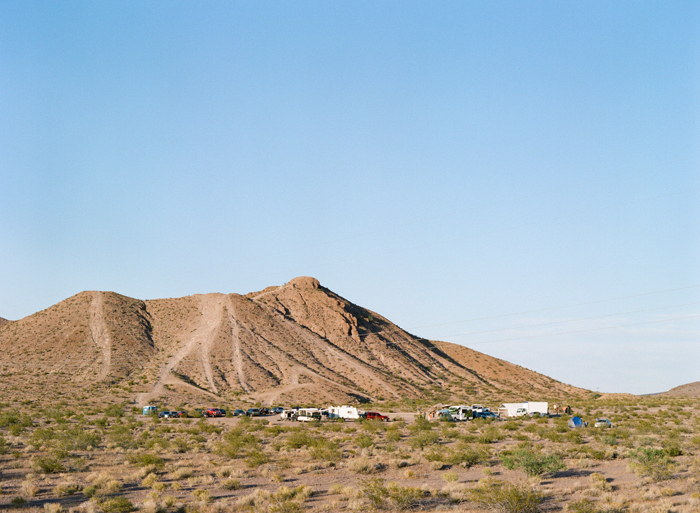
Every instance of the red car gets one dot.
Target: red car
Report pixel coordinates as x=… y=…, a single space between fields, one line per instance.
x=373 y=415
x=215 y=412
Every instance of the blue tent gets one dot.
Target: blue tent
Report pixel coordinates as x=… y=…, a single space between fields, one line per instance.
x=575 y=422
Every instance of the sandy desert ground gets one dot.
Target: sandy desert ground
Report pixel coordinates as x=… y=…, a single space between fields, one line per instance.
x=62 y=457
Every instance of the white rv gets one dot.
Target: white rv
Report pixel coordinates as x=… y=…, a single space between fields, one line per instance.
x=344 y=412
x=461 y=412
x=308 y=414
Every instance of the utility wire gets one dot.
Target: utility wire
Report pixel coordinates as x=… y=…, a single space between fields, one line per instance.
x=584 y=331
x=539 y=310
x=568 y=320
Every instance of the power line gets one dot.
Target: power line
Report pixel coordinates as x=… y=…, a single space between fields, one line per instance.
x=568 y=320
x=540 y=310
x=584 y=331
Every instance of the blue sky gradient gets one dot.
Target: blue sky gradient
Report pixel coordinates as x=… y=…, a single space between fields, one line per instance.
x=434 y=163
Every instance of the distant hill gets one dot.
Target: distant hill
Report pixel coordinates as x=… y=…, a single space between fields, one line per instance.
x=293 y=344
x=687 y=390
x=3 y=322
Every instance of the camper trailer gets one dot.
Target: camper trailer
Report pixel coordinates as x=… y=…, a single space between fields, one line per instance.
x=344 y=412
x=461 y=412
x=308 y=414
x=522 y=409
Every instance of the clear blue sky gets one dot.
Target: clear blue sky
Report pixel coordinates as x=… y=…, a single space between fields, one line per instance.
x=434 y=163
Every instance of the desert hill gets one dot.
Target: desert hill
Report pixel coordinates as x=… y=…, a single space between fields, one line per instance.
x=687 y=390
x=3 y=322
x=296 y=343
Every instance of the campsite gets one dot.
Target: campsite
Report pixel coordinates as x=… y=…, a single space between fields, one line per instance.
x=66 y=458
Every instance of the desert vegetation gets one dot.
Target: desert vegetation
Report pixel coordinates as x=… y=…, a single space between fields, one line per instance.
x=66 y=455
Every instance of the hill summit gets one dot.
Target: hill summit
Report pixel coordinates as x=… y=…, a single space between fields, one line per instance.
x=291 y=344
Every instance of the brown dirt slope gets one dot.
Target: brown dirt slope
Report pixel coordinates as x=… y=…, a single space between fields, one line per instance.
x=297 y=343
x=687 y=390
x=3 y=322
x=86 y=337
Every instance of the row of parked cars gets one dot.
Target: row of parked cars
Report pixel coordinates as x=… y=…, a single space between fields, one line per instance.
x=296 y=413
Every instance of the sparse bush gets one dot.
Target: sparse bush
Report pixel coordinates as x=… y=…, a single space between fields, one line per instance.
x=65 y=489
x=364 y=441
x=145 y=459
x=29 y=488
x=466 y=457
x=117 y=505
x=599 y=482
x=231 y=484
x=114 y=410
x=582 y=506
x=202 y=495
x=506 y=498
x=374 y=490
x=422 y=439
x=403 y=498
x=532 y=462
x=364 y=466
x=48 y=465
x=182 y=473
x=450 y=476
x=256 y=459
x=650 y=462
x=53 y=507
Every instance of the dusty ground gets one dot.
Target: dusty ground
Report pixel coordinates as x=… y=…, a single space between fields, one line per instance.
x=61 y=457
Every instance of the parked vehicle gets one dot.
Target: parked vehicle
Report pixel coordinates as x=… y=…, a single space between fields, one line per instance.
x=344 y=413
x=288 y=415
x=253 y=412
x=238 y=412
x=603 y=423
x=182 y=414
x=308 y=414
x=485 y=415
x=373 y=415
x=168 y=414
x=215 y=412
x=277 y=410
x=444 y=415
x=522 y=409
x=461 y=413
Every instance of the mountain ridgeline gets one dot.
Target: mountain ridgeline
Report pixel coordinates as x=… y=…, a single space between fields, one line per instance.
x=293 y=344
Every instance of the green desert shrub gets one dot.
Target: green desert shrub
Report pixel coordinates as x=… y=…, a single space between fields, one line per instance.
x=364 y=441
x=48 y=465
x=422 y=439
x=144 y=459
x=506 y=498
x=534 y=463
x=582 y=506
x=651 y=462
x=466 y=456
x=117 y=505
